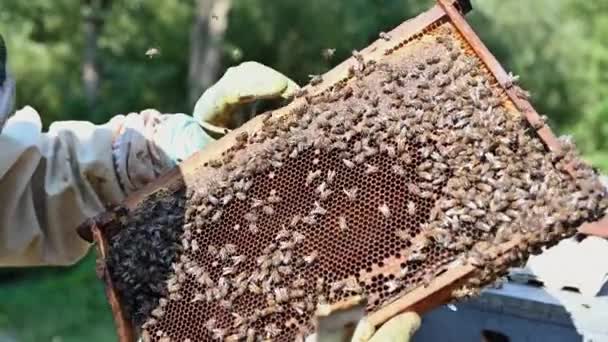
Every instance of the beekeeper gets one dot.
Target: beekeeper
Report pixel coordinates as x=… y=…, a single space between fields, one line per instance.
x=51 y=182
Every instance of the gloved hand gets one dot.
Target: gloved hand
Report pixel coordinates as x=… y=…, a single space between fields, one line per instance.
x=245 y=83
x=398 y=329
x=150 y=143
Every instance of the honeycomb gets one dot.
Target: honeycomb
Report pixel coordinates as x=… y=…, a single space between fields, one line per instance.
x=371 y=188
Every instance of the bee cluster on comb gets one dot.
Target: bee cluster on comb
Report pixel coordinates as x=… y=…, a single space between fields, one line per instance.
x=371 y=188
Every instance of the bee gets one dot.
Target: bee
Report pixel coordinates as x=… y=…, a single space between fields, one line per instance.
x=268 y=210
x=256 y=203
x=315 y=79
x=239 y=259
x=158 y=312
x=250 y=217
x=254 y=288
x=272 y=330
x=425 y=175
x=384 y=210
x=330 y=176
x=312 y=176
x=212 y=250
x=213 y=200
x=281 y=294
x=300 y=282
x=298 y=237
x=271 y=175
x=285 y=245
x=299 y=307
x=315 y=161
x=402 y=234
x=511 y=80
x=210 y=324
x=416 y=256
x=241 y=196
x=411 y=208
x=295 y=220
x=250 y=335
x=324 y=195
x=392 y=285
x=342 y=223
x=385 y=36
x=197 y=297
x=370 y=169
x=273 y=198
x=219 y=333
x=309 y=259
x=349 y=164
x=318 y=209
x=352 y=284
x=309 y=220
x=285 y=270
x=351 y=193
x=216 y=216
x=253 y=228
x=328 y=53
x=454 y=55
x=398 y=170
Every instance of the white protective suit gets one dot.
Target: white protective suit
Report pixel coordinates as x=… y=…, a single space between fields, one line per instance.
x=51 y=182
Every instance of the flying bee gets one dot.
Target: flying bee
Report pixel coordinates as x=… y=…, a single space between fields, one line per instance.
x=384 y=210
x=328 y=53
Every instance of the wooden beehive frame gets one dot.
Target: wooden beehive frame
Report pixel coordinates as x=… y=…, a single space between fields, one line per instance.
x=420 y=299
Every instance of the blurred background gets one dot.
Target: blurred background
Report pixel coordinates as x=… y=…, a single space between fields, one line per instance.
x=92 y=59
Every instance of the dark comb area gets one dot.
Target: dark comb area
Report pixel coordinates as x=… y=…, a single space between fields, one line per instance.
x=373 y=187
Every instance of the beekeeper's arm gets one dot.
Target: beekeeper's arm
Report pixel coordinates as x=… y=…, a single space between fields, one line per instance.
x=51 y=182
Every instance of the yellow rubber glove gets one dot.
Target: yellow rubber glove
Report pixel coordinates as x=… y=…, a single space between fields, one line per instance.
x=244 y=83
x=398 y=329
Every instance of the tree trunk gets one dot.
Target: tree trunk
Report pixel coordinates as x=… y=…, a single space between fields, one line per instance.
x=206 y=38
x=92 y=26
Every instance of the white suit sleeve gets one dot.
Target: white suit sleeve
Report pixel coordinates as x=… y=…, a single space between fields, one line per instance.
x=49 y=184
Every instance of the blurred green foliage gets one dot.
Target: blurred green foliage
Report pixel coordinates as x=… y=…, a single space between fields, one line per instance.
x=557 y=46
